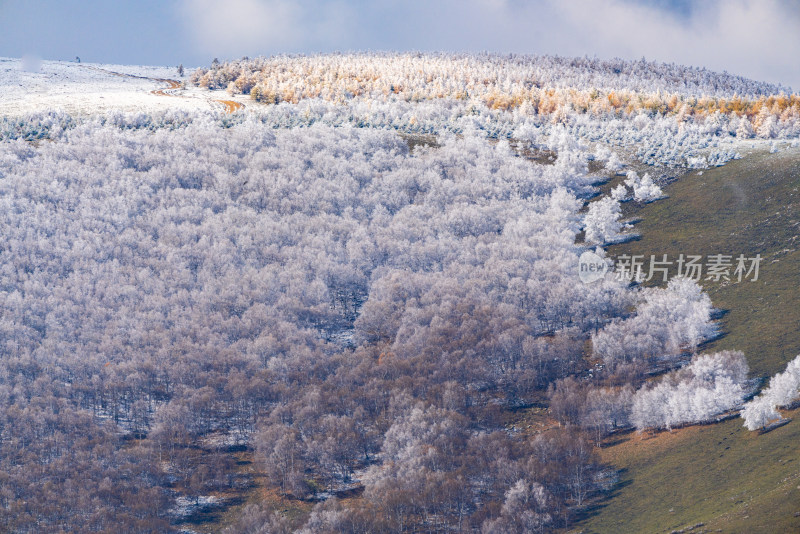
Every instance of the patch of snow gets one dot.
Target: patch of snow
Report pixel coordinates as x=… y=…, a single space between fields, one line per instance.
x=221 y=440
x=87 y=88
x=185 y=506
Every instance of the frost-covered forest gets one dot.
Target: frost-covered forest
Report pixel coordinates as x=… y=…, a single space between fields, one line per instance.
x=357 y=284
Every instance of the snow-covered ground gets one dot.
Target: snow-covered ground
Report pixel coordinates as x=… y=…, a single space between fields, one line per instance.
x=86 y=88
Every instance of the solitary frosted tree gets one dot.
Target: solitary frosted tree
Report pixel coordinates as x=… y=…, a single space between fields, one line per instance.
x=601 y=223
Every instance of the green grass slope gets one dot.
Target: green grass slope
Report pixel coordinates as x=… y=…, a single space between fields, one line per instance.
x=722 y=476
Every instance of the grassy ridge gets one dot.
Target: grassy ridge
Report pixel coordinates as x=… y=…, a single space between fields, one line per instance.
x=722 y=475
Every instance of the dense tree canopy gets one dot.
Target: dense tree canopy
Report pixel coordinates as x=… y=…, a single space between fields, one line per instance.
x=358 y=310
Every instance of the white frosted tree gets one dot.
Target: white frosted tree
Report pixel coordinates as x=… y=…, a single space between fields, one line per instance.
x=523 y=511
x=768 y=128
x=744 y=130
x=759 y=412
x=614 y=164
x=601 y=222
x=644 y=189
x=783 y=390
x=709 y=386
x=620 y=193
x=667 y=321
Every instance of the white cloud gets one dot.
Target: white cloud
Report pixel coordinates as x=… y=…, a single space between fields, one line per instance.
x=228 y=26
x=758 y=39
x=247 y=27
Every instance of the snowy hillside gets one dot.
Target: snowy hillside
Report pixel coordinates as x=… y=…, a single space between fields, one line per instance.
x=38 y=86
x=668 y=114
x=359 y=282
x=464 y=75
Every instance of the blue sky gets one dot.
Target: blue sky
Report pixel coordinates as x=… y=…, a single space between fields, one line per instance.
x=755 y=38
